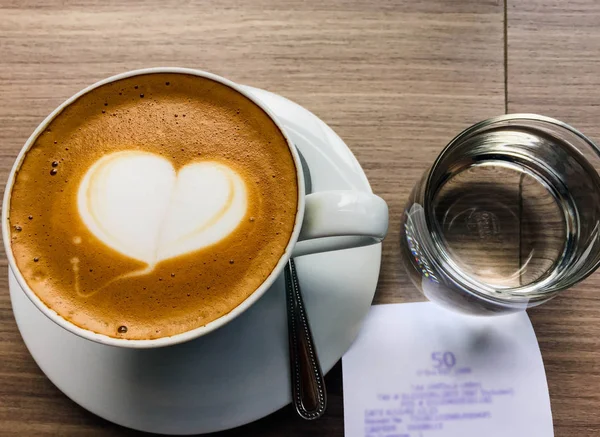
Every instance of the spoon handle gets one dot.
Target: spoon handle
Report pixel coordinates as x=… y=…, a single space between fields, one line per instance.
x=308 y=385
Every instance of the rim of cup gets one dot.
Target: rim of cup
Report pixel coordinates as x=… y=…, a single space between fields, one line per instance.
x=187 y=335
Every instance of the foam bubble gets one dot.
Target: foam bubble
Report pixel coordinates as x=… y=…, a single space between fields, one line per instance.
x=137 y=204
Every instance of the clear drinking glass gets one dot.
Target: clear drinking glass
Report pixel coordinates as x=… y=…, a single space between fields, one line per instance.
x=507 y=216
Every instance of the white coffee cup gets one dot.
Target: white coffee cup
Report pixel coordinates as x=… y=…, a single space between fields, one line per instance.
x=325 y=221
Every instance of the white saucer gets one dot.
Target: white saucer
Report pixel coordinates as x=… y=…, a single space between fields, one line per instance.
x=240 y=372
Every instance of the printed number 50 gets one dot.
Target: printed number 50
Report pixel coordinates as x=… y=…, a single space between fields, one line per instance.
x=443 y=359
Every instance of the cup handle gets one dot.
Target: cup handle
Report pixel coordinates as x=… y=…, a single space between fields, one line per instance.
x=336 y=220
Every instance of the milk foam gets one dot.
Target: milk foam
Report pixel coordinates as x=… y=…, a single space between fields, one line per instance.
x=136 y=203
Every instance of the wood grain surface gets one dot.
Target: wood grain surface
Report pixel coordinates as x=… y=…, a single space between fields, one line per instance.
x=396 y=79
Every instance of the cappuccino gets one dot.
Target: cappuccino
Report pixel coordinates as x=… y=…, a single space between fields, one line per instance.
x=153 y=205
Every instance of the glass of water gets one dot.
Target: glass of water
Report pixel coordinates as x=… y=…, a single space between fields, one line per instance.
x=507 y=216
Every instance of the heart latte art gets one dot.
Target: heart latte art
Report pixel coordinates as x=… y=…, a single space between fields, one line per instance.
x=136 y=203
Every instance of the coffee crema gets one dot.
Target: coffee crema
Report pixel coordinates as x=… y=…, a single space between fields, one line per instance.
x=153 y=205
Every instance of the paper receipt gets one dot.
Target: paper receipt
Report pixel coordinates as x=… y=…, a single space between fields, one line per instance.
x=419 y=370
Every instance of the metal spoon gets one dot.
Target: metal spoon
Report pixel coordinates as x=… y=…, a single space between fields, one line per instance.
x=308 y=384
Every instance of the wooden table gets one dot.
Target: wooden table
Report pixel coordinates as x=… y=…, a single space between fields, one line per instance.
x=396 y=79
